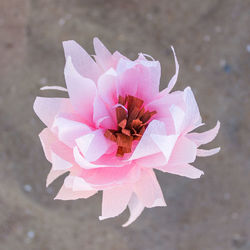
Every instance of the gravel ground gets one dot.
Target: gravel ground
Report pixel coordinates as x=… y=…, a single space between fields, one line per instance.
x=212 y=43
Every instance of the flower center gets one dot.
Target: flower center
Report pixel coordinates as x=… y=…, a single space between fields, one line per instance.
x=132 y=121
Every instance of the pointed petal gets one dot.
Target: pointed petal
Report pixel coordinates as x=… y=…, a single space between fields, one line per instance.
x=148 y=189
x=184 y=169
x=47 y=108
x=178 y=117
x=205 y=137
x=115 y=201
x=135 y=207
x=82 y=91
x=103 y=56
x=82 y=61
x=204 y=153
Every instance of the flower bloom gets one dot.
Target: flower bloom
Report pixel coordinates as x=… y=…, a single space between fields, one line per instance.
x=116 y=127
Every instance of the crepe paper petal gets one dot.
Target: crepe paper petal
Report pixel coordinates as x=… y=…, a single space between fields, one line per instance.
x=82 y=91
x=116 y=128
x=47 y=108
x=184 y=169
x=68 y=194
x=146 y=146
x=184 y=151
x=70 y=130
x=107 y=87
x=115 y=201
x=82 y=61
x=102 y=116
x=204 y=137
x=205 y=153
x=93 y=145
x=135 y=207
x=54 y=88
x=103 y=56
x=192 y=117
x=148 y=190
x=165 y=143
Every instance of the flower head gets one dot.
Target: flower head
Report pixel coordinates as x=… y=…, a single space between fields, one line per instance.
x=116 y=127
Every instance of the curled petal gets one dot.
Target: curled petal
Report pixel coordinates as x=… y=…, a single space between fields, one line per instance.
x=82 y=61
x=205 y=137
x=135 y=207
x=183 y=169
x=82 y=91
x=54 y=88
x=204 y=153
x=115 y=201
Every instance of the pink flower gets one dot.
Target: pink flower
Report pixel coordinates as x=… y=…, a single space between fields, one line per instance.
x=116 y=127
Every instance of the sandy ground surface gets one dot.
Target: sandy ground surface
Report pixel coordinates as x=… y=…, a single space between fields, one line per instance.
x=212 y=42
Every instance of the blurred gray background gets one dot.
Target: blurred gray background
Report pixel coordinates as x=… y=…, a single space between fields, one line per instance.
x=212 y=42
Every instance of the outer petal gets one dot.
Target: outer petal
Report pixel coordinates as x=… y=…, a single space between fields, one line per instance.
x=205 y=137
x=184 y=169
x=148 y=190
x=115 y=201
x=93 y=145
x=135 y=207
x=82 y=61
x=103 y=56
x=47 y=108
x=146 y=145
x=192 y=114
x=175 y=76
x=204 y=153
x=82 y=91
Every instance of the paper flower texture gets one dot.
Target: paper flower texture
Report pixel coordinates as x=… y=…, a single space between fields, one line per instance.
x=116 y=127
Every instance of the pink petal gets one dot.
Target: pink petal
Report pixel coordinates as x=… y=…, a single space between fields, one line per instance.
x=205 y=137
x=93 y=145
x=204 y=153
x=69 y=130
x=146 y=145
x=102 y=116
x=183 y=169
x=178 y=117
x=192 y=114
x=82 y=91
x=115 y=201
x=47 y=138
x=148 y=190
x=68 y=194
x=111 y=176
x=77 y=184
x=135 y=208
x=183 y=152
x=107 y=87
x=103 y=56
x=47 y=108
x=152 y=161
x=175 y=76
x=165 y=143
x=81 y=60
